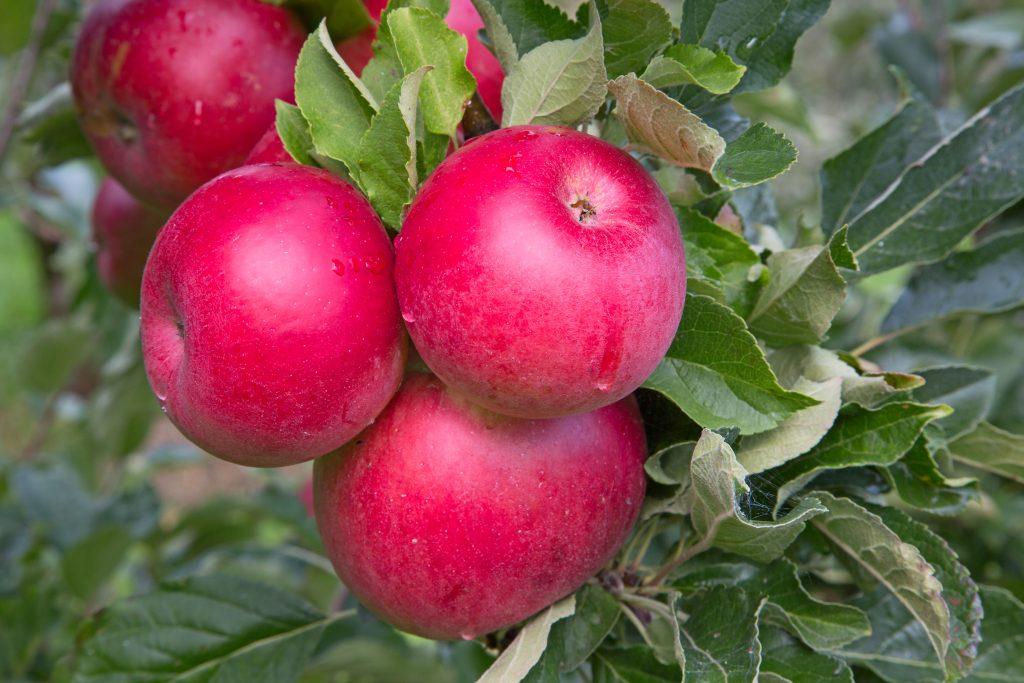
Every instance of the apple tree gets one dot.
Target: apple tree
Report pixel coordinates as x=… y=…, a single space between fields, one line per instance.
x=623 y=341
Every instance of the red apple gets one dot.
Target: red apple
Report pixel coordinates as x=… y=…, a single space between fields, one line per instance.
x=173 y=92
x=450 y=522
x=124 y=230
x=269 y=150
x=541 y=272
x=358 y=49
x=270 y=330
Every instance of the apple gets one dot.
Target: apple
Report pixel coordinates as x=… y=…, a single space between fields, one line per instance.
x=269 y=150
x=124 y=230
x=172 y=92
x=270 y=330
x=450 y=521
x=540 y=272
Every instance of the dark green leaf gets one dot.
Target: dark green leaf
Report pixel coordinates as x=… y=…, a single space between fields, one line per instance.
x=721 y=257
x=88 y=564
x=716 y=373
x=517 y=659
x=207 y=628
x=632 y=665
x=946 y=193
x=898 y=566
x=860 y=437
x=572 y=640
x=759 y=154
x=958 y=589
x=991 y=449
x=969 y=391
x=634 y=31
x=1001 y=653
x=66 y=518
x=760 y=34
x=920 y=483
x=987 y=279
x=784 y=659
x=531 y=23
x=720 y=635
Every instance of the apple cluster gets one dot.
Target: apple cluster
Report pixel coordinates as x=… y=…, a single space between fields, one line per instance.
x=539 y=273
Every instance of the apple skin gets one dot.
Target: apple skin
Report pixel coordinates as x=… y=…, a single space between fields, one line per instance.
x=270 y=330
x=124 y=231
x=512 y=300
x=173 y=92
x=269 y=150
x=451 y=522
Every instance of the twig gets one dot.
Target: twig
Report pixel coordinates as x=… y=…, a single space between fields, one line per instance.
x=477 y=120
x=26 y=68
x=878 y=341
x=684 y=554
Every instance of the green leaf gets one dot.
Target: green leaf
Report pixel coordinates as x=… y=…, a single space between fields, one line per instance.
x=760 y=34
x=332 y=99
x=959 y=591
x=991 y=449
x=969 y=391
x=503 y=43
x=634 y=31
x=720 y=635
x=715 y=372
x=855 y=178
x=692 y=64
x=87 y=565
x=987 y=279
x=294 y=133
x=562 y=82
x=344 y=18
x=861 y=436
x=657 y=124
x=784 y=659
x=421 y=38
x=716 y=479
x=572 y=640
x=721 y=257
x=920 y=483
x=22 y=284
x=896 y=565
x=530 y=23
x=798 y=433
x=517 y=659
x=946 y=193
x=822 y=625
x=67 y=518
x=387 y=152
x=803 y=294
x=214 y=627
x=632 y=665
x=759 y=154
x=898 y=648
x=1002 y=637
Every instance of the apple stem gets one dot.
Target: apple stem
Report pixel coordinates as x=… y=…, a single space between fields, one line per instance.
x=477 y=119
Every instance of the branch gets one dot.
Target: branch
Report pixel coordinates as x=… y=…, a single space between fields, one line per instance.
x=23 y=76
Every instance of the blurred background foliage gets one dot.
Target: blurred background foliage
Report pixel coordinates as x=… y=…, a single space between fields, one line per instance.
x=99 y=496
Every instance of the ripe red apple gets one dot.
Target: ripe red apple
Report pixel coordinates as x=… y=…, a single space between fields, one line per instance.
x=270 y=330
x=173 y=92
x=541 y=272
x=124 y=230
x=269 y=150
x=449 y=521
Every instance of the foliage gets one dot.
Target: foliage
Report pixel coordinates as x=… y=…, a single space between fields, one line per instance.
x=837 y=431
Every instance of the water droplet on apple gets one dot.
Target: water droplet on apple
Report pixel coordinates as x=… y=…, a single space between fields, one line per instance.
x=467 y=636
x=603 y=385
x=408 y=317
x=338 y=267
